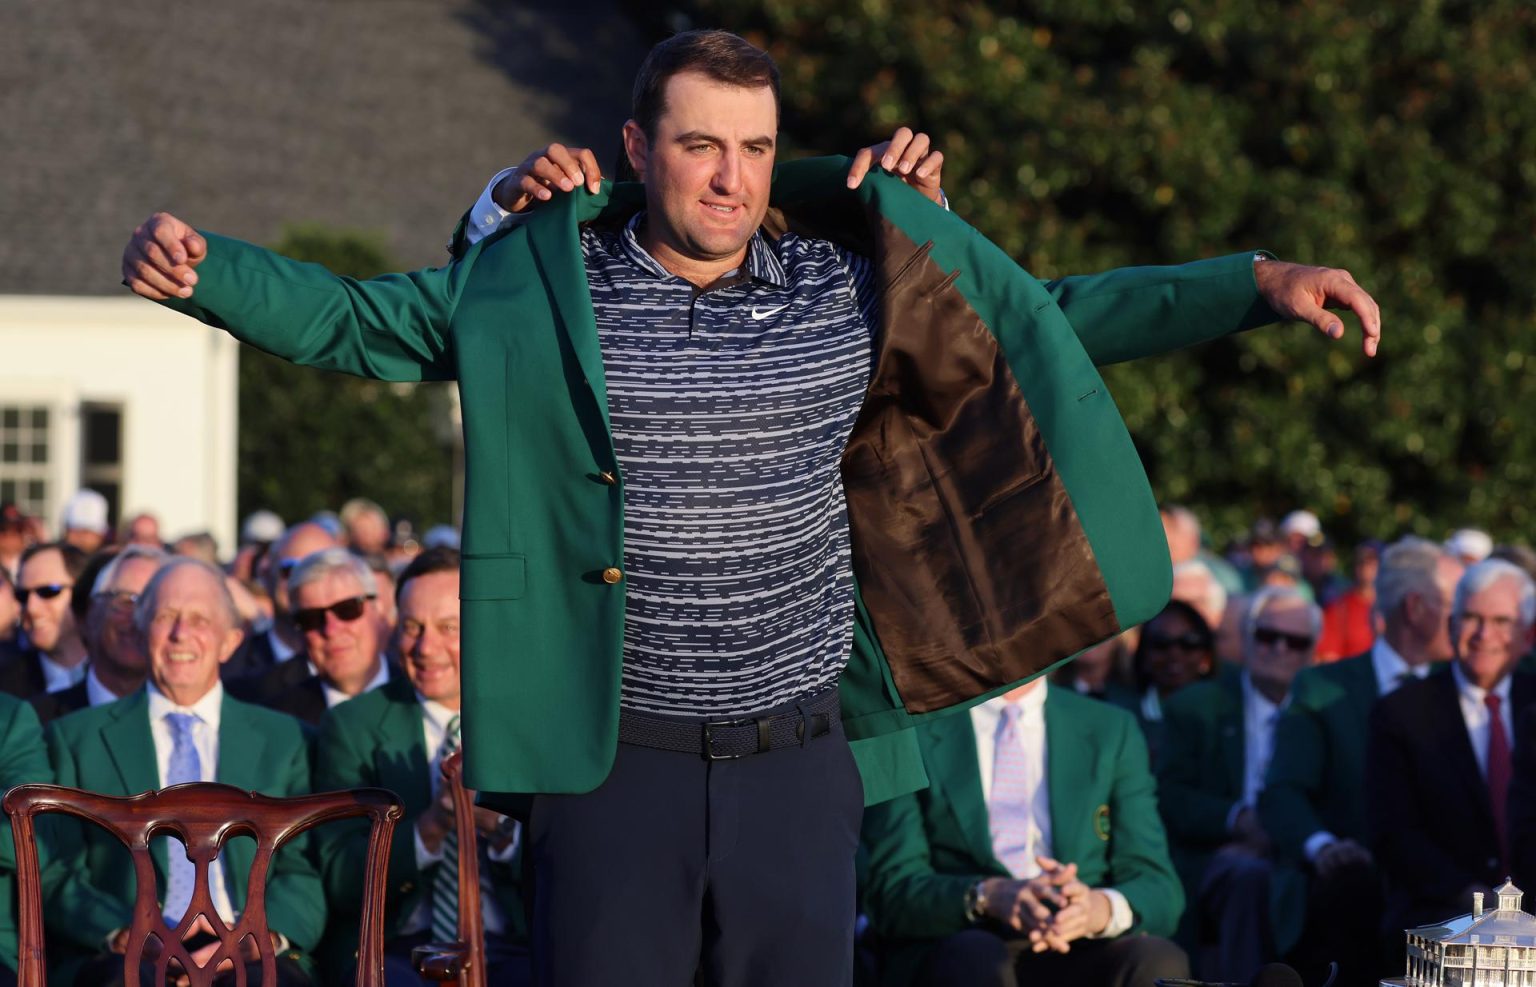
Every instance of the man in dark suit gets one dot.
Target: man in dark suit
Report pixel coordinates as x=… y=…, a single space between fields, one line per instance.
x=269 y=653
x=1218 y=739
x=181 y=727
x=55 y=656
x=1439 y=757
x=1313 y=803
x=117 y=663
x=395 y=738
x=959 y=898
x=334 y=604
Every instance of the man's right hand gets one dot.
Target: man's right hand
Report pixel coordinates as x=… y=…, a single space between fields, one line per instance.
x=158 y=261
x=1020 y=905
x=1338 y=855
x=542 y=173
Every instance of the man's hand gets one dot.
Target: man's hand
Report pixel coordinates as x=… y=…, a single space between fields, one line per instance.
x=1296 y=291
x=1248 y=832
x=435 y=821
x=158 y=261
x=543 y=173
x=906 y=155
x=1338 y=855
x=1020 y=905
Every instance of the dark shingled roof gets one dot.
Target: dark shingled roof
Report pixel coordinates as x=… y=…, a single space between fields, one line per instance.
x=243 y=116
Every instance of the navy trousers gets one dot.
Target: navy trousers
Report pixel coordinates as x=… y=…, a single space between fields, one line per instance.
x=678 y=870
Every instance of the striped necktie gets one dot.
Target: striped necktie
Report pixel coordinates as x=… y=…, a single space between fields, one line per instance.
x=445 y=883
x=185 y=765
x=1014 y=781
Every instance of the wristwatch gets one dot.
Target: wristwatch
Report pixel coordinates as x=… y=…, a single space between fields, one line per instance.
x=976 y=902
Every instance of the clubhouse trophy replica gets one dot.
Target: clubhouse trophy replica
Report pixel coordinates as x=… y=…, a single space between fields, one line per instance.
x=1494 y=948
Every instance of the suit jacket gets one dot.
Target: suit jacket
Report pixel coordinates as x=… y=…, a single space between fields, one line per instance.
x=376 y=740
x=925 y=849
x=21 y=674
x=1522 y=801
x=1427 y=807
x=253 y=658
x=23 y=760
x=109 y=749
x=1012 y=507
x=49 y=706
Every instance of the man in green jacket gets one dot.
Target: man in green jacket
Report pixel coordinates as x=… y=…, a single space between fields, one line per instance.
x=757 y=462
x=957 y=898
x=181 y=727
x=23 y=761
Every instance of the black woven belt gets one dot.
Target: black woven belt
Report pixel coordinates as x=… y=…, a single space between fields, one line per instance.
x=722 y=740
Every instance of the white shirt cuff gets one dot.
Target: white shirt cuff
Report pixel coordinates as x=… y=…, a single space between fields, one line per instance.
x=506 y=853
x=424 y=857
x=1121 y=918
x=1233 y=813
x=1317 y=842
x=486 y=217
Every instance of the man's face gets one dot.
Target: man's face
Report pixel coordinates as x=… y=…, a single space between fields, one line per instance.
x=304 y=539
x=112 y=636
x=1429 y=613
x=368 y=533
x=1283 y=644
x=86 y=540
x=13 y=537
x=428 y=636
x=707 y=168
x=1488 y=633
x=144 y=530
x=10 y=610
x=189 y=634
x=46 y=619
x=345 y=651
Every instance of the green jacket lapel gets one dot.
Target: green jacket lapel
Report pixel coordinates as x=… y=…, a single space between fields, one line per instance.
x=1232 y=730
x=401 y=748
x=1068 y=746
x=131 y=746
x=956 y=775
x=241 y=746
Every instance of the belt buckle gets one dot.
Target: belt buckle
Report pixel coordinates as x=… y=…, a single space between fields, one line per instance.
x=709 y=738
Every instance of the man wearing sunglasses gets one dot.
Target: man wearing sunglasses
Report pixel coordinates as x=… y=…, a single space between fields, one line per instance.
x=1218 y=740
x=55 y=656
x=261 y=668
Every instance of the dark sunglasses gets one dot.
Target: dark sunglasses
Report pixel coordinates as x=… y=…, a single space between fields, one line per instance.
x=313 y=618
x=1270 y=636
x=46 y=592
x=1191 y=641
x=286 y=567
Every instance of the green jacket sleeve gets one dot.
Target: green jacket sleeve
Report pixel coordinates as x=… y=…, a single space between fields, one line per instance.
x=1139 y=865
x=907 y=898
x=1134 y=312
x=23 y=760
x=1293 y=784
x=77 y=910
x=295 y=899
x=393 y=327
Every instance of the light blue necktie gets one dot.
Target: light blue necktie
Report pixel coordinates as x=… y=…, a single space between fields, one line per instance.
x=185 y=766
x=1010 y=814
x=445 y=883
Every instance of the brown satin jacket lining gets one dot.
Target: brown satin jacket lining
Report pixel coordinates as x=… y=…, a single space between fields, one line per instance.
x=970 y=557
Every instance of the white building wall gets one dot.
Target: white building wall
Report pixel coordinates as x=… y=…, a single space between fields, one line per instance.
x=175 y=379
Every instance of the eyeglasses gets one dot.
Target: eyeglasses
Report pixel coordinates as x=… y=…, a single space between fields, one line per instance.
x=1270 y=636
x=46 y=592
x=313 y=618
x=117 y=599
x=1190 y=641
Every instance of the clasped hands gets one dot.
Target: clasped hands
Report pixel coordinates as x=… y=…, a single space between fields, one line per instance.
x=248 y=950
x=437 y=819
x=1052 y=910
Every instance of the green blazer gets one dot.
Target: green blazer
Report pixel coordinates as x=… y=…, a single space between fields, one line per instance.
x=925 y=849
x=23 y=761
x=109 y=749
x=1000 y=518
x=375 y=740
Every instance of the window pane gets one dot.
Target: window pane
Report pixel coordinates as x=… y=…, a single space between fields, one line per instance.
x=35 y=490
x=40 y=418
x=9 y=452
x=39 y=452
x=103 y=437
x=11 y=418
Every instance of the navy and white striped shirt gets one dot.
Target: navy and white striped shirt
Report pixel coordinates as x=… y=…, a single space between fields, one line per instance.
x=730 y=409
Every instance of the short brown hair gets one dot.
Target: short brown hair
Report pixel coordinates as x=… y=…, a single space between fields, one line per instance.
x=721 y=55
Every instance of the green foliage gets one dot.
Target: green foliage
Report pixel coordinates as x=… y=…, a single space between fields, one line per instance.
x=311 y=439
x=1395 y=140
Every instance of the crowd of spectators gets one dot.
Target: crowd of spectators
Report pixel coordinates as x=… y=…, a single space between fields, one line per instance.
x=1296 y=759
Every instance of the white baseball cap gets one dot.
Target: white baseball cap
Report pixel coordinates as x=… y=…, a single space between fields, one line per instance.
x=1469 y=544
x=86 y=511
x=1303 y=523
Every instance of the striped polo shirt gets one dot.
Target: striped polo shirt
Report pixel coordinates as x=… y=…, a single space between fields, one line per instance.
x=729 y=409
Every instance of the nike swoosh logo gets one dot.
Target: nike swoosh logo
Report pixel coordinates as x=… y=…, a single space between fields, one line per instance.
x=763 y=313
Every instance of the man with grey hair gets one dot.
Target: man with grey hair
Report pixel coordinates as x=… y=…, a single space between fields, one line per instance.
x=334 y=604
x=1313 y=804
x=283 y=640
x=1218 y=738
x=116 y=663
x=180 y=728
x=1440 y=754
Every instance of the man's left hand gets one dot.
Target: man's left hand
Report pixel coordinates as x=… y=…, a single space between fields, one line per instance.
x=1297 y=291
x=906 y=155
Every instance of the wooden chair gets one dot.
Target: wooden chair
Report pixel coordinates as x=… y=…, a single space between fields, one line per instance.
x=463 y=961
x=204 y=816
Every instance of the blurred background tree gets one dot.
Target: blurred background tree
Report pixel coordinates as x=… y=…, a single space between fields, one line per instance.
x=311 y=439
x=1395 y=140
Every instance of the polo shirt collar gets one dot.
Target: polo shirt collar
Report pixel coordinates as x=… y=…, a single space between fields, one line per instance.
x=762 y=262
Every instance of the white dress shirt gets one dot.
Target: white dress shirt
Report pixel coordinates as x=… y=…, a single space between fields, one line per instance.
x=1031 y=733
x=334 y=696
x=56 y=677
x=1259 y=719
x=280 y=650
x=205 y=737
x=1475 y=714
x=434 y=727
x=96 y=693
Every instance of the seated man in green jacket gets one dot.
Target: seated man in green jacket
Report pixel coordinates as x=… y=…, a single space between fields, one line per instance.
x=1037 y=856
x=180 y=728
x=23 y=761
x=396 y=737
